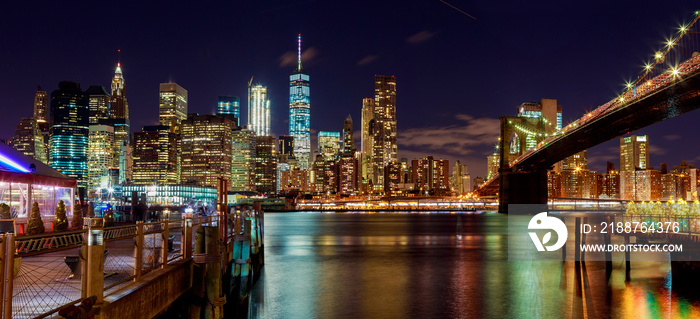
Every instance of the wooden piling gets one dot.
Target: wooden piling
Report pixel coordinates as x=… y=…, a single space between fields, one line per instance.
x=212 y=278
x=95 y=262
x=138 y=250
x=607 y=237
x=628 y=265
x=198 y=276
x=583 y=240
x=577 y=249
x=3 y=262
x=9 y=274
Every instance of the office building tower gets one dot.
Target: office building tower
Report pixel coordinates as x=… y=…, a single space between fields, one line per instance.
x=348 y=139
x=99 y=103
x=125 y=162
x=493 y=163
x=206 y=149
x=461 y=180
x=265 y=165
x=634 y=153
x=119 y=107
x=41 y=105
x=366 y=142
x=431 y=176
x=230 y=107
x=610 y=183
x=299 y=180
x=576 y=161
x=286 y=145
x=68 y=136
x=172 y=109
x=300 y=112
x=28 y=139
x=547 y=108
x=156 y=156
x=101 y=157
x=383 y=126
x=242 y=170
x=258 y=110
x=348 y=175
x=329 y=145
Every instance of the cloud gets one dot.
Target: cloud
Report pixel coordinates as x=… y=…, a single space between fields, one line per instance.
x=420 y=37
x=672 y=137
x=289 y=58
x=367 y=60
x=454 y=139
x=653 y=149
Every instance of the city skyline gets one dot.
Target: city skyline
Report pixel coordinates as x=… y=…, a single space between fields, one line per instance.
x=435 y=55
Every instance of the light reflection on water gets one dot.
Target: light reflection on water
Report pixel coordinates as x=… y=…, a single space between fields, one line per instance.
x=441 y=265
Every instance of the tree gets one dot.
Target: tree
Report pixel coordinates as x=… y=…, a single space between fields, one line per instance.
x=77 y=221
x=5 y=211
x=60 y=222
x=108 y=218
x=35 y=225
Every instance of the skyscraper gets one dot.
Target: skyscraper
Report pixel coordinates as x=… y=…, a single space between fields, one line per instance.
x=28 y=139
x=286 y=145
x=461 y=180
x=68 y=136
x=156 y=156
x=384 y=149
x=300 y=112
x=99 y=103
x=173 y=104
x=101 y=156
x=329 y=145
x=367 y=142
x=265 y=165
x=41 y=105
x=258 y=110
x=119 y=107
x=242 y=171
x=348 y=139
x=634 y=153
x=229 y=106
x=207 y=145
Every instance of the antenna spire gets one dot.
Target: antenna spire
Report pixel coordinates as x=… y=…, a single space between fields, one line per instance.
x=299 y=52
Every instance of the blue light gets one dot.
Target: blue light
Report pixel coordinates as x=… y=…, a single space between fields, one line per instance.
x=13 y=164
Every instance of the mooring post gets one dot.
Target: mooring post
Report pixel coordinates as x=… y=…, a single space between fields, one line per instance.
x=95 y=259
x=138 y=250
x=212 y=277
x=3 y=262
x=198 y=274
x=583 y=240
x=9 y=274
x=166 y=234
x=563 y=249
x=186 y=241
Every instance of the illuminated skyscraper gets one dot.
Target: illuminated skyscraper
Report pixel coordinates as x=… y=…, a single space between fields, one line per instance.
x=28 y=139
x=367 y=142
x=119 y=107
x=348 y=139
x=173 y=104
x=101 y=156
x=258 y=110
x=634 y=153
x=68 y=136
x=229 y=106
x=300 y=112
x=285 y=145
x=207 y=146
x=156 y=156
x=265 y=165
x=460 y=180
x=242 y=171
x=99 y=103
x=329 y=145
x=383 y=127
x=41 y=105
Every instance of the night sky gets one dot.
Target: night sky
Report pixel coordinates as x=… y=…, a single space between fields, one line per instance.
x=459 y=64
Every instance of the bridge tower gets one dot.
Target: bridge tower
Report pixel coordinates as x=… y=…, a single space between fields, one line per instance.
x=524 y=186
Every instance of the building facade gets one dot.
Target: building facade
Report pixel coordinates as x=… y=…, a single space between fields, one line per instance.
x=206 y=149
x=258 y=110
x=99 y=104
x=229 y=106
x=29 y=140
x=329 y=145
x=634 y=152
x=172 y=109
x=101 y=157
x=300 y=112
x=265 y=165
x=383 y=126
x=243 y=157
x=68 y=136
x=156 y=156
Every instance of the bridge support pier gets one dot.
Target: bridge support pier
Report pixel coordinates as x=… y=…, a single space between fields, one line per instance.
x=521 y=188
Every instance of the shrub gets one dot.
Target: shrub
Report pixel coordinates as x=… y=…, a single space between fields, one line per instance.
x=35 y=225
x=60 y=222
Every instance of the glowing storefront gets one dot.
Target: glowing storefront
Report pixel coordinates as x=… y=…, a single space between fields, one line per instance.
x=25 y=180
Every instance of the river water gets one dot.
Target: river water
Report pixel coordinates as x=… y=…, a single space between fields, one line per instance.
x=442 y=265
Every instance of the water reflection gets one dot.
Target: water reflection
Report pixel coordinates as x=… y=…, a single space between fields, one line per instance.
x=442 y=266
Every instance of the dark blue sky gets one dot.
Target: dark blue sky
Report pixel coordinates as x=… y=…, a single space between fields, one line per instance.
x=455 y=74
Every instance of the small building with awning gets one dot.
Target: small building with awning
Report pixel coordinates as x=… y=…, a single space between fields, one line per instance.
x=25 y=180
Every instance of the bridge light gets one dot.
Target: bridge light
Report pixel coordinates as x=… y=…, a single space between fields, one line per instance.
x=648 y=66
x=669 y=43
x=629 y=85
x=675 y=71
x=683 y=28
x=658 y=55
